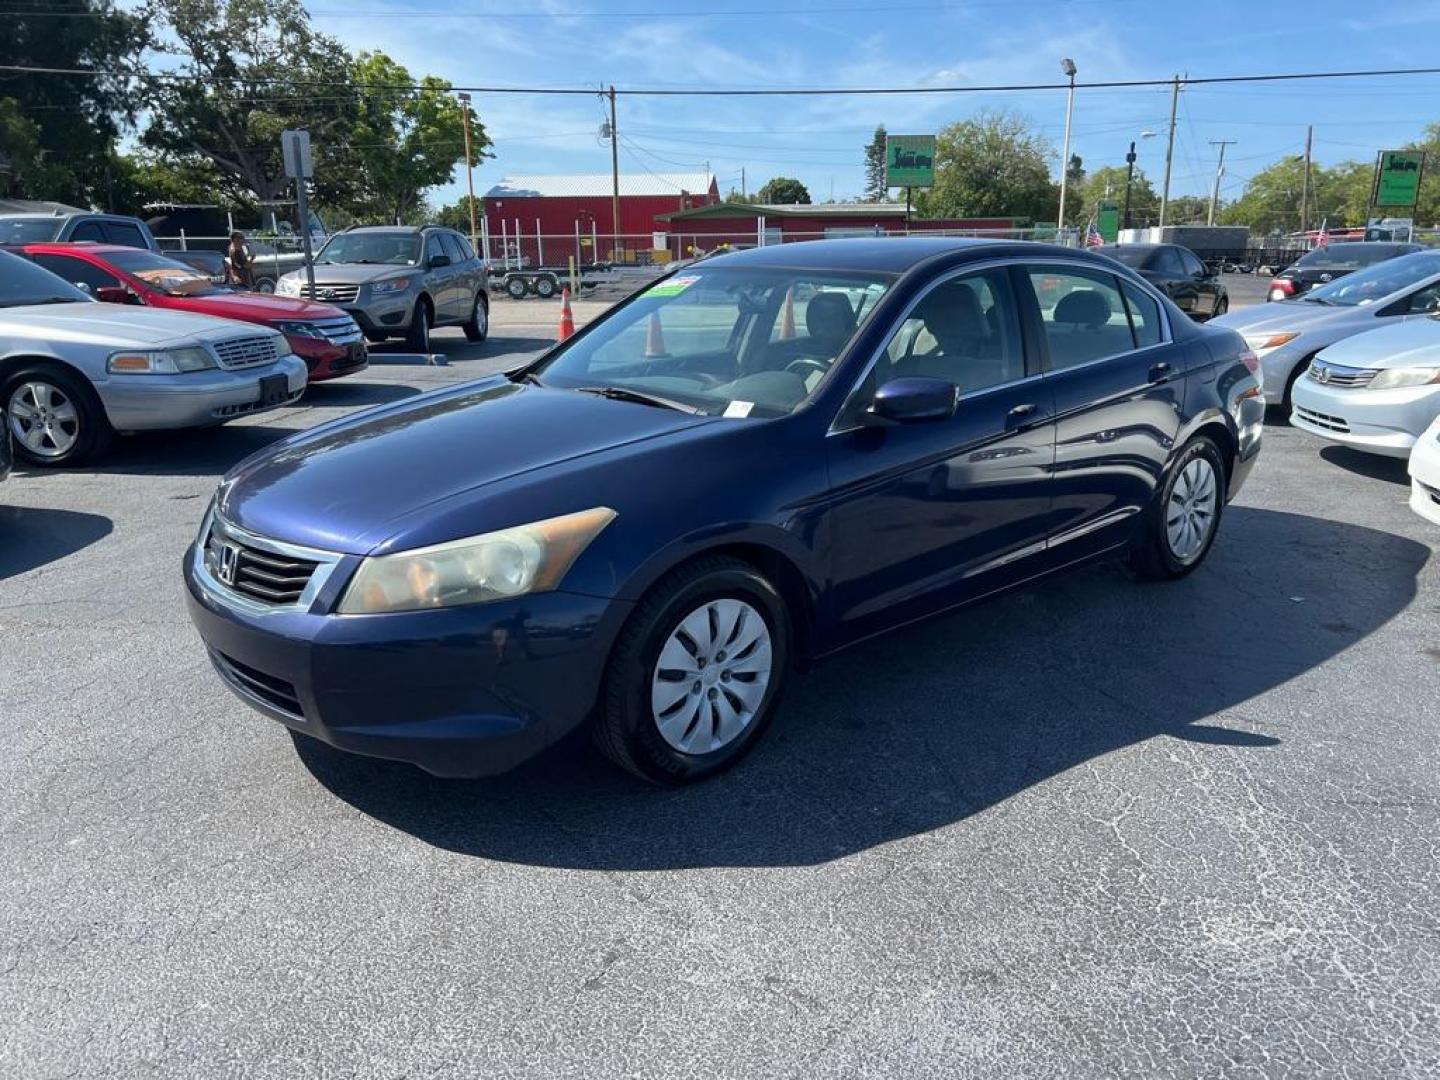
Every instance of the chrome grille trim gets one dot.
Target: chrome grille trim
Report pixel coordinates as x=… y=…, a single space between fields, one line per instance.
x=1327 y=374
x=344 y=331
x=261 y=557
x=340 y=293
x=246 y=352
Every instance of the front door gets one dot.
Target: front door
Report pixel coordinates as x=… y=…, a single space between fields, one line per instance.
x=926 y=515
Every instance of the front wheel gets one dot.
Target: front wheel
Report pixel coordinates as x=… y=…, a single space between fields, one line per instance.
x=418 y=336
x=696 y=673
x=55 y=418
x=545 y=287
x=1221 y=307
x=479 y=324
x=1182 y=522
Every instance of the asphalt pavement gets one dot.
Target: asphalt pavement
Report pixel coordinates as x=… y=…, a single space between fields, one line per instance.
x=1090 y=829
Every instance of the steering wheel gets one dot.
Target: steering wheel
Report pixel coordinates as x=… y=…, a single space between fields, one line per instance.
x=803 y=367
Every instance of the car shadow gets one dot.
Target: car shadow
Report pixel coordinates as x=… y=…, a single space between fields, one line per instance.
x=346 y=394
x=31 y=537
x=934 y=724
x=188 y=451
x=1373 y=466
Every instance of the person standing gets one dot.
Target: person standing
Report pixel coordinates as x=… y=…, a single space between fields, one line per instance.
x=240 y=261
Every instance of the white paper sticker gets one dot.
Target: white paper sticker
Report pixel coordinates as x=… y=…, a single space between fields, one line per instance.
x=739 y=408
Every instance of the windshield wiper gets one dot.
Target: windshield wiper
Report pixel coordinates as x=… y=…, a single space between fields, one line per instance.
x=620 y=393
x=45 y=300
x=1318 y=300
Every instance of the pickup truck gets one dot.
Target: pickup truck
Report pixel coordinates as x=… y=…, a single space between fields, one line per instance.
x=83 y=226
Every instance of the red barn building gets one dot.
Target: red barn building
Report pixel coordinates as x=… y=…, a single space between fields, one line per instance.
x=560 y=208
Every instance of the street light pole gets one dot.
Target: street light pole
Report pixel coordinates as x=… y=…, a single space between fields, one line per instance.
x=464 y=100
x=1129 y=178
x=1068 y=67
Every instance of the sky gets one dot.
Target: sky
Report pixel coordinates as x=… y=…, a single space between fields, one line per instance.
x=901 y=43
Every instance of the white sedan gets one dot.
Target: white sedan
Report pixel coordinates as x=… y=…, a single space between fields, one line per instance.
x=1425 y=474
x=1375 y=391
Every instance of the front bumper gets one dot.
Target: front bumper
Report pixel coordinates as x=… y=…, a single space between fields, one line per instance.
x=1425 y=476
x=1378 y=421
x=325 y=360
x=383 y=315
x=459 y=692
x=196 y=399
x=1276 y=367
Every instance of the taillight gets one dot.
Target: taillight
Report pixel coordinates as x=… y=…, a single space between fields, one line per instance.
x=1250 y=360
x=1280 y=288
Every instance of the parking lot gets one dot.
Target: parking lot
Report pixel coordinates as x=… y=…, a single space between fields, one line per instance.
x=1087 y=829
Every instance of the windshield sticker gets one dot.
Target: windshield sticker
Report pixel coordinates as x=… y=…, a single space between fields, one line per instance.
x=739 y=409
x=673 y=286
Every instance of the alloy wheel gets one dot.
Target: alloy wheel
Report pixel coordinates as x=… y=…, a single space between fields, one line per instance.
x=44 y=419
x=710 y=677
x=482 y=317
x=1190 y=513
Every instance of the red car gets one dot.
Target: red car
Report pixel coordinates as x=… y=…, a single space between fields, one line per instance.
x=326 y=338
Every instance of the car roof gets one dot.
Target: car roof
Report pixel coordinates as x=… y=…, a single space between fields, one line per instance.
x=387 y=228
x=890 y=255
x=1375 y=246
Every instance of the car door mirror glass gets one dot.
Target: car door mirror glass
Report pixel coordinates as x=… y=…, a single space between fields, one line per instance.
x=438 y=261
x=914 y=399
x=84 y=286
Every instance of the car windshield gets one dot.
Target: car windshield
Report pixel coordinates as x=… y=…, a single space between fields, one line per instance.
x=1129 y=256
x=1345 y=257
x=739 y=341
x=23 y=283
x=164 y=275
x=1378 y=281
x=28 y=230
x=391 y=248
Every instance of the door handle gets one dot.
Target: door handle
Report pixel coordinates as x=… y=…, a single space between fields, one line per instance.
x=1022 y=416
x=1159 y=372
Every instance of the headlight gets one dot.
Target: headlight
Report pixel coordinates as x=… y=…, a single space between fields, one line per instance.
x=1393 y=378
x=1263 y=343
x=492 y=566
x=394 y=285
x=300 y=329
x=282 y=347
x=288 y=286
x=159 y=362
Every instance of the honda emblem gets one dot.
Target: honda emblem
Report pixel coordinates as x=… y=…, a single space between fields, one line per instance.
x=225 y=565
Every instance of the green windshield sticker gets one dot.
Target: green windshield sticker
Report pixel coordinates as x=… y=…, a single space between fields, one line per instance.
x=672 y=286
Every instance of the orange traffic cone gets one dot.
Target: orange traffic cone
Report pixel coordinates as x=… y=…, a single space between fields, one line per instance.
x=567 y=318
x=654 y=338
x=787 y=316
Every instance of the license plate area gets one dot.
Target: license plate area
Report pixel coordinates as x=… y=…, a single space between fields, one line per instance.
x=274 y=389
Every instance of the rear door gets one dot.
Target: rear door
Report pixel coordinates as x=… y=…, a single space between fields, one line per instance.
x=464 y=280
x=1206 y=285
x=439 y=280
x=1118 y=387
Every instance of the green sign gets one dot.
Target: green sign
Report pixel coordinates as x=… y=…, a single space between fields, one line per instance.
x=910 y=160
x=1397 y=177
x=1107 y=220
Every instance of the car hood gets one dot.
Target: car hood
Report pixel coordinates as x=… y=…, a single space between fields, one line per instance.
x=115 y=325
x=255 y=307
x=357 y=273
x=1413 y=343
x=1287 y=316
x=346 y=486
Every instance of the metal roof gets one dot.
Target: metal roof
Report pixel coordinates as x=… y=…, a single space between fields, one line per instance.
x=599 y=184
x=865 y=211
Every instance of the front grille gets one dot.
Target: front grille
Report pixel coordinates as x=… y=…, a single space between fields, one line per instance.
x=229 y=412
x=1329 y=423
x=339 y=331
x=246 y=352
x=277 y=693
x=259 y=575
x=340 y=294
x=1339 y=375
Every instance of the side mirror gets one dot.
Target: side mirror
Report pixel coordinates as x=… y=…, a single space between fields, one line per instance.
x=437 y=261
x=115 y=294
x=84 y=286
x=915 y=400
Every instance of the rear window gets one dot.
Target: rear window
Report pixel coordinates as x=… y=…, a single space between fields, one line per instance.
x=28 y=230
x=1347 y=256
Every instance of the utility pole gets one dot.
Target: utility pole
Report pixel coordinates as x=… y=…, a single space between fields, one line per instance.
x=614 y=177
x=464 y=100
x=1169 y=150
x=1305 y=183
x=1129 y=178
x=743 y=196
x=1219 y=172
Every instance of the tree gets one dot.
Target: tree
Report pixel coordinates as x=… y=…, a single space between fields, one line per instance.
x=876 y=189
x=783 y=189
x=1187 y=210
x=258 y=69
x=405 y=141
x=58 y=132
x=993 y=165
x=1107 y=184
x=1271 y=201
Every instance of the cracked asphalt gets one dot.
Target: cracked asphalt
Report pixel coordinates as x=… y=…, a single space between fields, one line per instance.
x=1089 y=829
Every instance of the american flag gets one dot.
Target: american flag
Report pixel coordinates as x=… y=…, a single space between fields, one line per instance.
x=1092 y=236
x=1322 y=238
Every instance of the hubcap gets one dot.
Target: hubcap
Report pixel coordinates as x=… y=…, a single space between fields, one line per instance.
x=424 y=316
x=482 y=316
x=1190 y=515
x=711 y=676
x=43 y=419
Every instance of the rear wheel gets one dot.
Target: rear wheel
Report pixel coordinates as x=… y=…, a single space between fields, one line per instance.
x=55 y=418
x=418 y=336
x=1222 y=306
x=1183 y=520
x=516 y=288
x=265 y=285
x=696 y=673
x=479 y=323
x=545 y=287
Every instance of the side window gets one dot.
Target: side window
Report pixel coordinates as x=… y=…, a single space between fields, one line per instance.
x=1426 y=301
x=88 y=230
x=1167 y=261
x=451 y=243
x=1144 y=315
x=1083 y=316
x=122 y=232
x=465 y=249
x=1193 y=266
x=965 y=331
x=77 y=271
x=432 y=247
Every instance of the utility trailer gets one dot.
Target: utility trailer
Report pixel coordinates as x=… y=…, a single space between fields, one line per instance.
x=543 y=281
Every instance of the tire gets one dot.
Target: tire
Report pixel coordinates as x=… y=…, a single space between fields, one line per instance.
x=479 y=325
x=545 y=287
x=78 y=429
x=1193 y=486
x=1221 y=307
x=516 y=288
x=639 y=728
x=418 y=336
x=265 y=285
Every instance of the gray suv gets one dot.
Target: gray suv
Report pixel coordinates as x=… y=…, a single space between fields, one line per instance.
x=400 y=281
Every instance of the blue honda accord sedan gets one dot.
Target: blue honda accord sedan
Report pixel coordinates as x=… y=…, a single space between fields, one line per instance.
x=759 y=459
